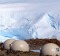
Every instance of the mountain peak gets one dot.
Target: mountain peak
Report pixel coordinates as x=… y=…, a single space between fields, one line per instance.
x=46 y=27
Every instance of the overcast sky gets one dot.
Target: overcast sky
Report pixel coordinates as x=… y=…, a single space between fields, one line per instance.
x=27 y=1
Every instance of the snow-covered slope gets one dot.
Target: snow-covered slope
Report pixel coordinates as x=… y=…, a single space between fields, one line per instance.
x=28 y=20
x=2 y=38
x=45 y=26
x=42 y=27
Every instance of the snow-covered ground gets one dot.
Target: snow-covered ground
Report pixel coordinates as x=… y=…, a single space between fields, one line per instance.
x=27 y=21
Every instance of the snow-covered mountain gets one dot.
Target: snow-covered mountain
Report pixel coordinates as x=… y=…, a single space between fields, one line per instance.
x=47 y=26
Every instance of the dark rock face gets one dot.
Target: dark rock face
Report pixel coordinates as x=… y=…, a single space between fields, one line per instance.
x=34 y=45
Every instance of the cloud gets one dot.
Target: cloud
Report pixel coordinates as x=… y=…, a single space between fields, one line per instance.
x=27 y=1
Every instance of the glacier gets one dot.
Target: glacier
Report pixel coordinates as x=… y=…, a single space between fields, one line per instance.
x=44 y=27
x=29 y=22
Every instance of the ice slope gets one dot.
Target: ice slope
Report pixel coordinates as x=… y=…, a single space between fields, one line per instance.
x=16 y=20
x=46 y=27
x=2 y=38
x=26 y=21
